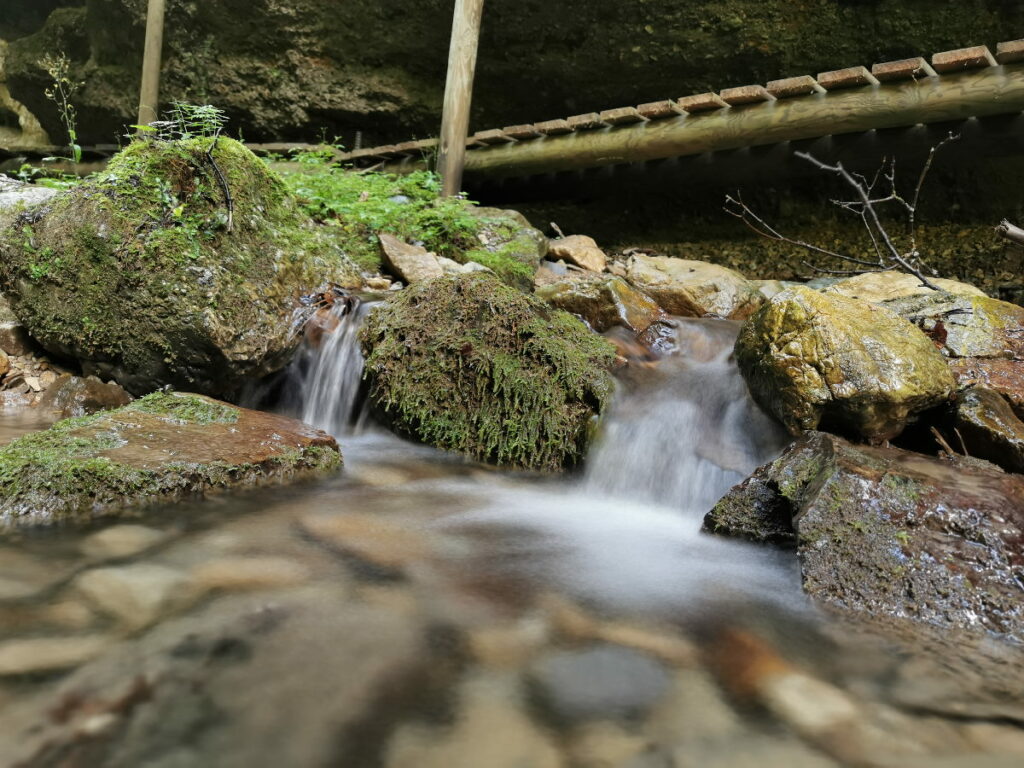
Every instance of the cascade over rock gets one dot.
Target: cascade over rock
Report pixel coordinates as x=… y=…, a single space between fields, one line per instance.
x=812 y=359
x=145 y=275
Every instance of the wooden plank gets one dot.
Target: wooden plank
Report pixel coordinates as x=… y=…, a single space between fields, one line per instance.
x=586 y=122
x=493 y=136
x=903 y=69
x=622 y=116
x=701 y=102
x=522 y=132
x=1010 y=51
x=851 y=77
x=746 y=94
x=794 y=86
x=458 y=93
x=553 y=127
x=659 y=110
x=963 y=58
x=974 y=93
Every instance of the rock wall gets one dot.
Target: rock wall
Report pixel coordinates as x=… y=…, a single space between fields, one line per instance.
x=302 y=68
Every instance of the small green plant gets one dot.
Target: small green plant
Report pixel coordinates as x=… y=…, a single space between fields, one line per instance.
x=60 y=92
x=187 y=121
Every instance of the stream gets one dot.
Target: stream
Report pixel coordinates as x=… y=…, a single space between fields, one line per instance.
x=422 y=611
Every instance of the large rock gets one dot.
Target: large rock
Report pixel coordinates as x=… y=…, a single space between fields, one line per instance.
x=507 y=244
x=163 y=447
x=989 y=428
x=890 y=532
x=877 y=287
x=471 y=365
x=694 y=288
x=17 y=194
x=812 y=359
x=77 y=396
x=603 y=301
x=144 y=276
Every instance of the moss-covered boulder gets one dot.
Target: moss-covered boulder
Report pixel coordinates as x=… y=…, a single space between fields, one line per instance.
x=163 y=447
x=471 y=365
x=813 y=360
x=889 y=532
x=145 y=274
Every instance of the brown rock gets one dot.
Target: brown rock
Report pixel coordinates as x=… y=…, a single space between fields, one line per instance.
x=998 y=374
x=694 y=288
x=579 y=250
x=892 y=533
x=990 y=429
x=76 y=396
x=603 y=301
x=5 y=363
x=49 y=654
x=410 y=263
x=14 y=339
x=372 y=539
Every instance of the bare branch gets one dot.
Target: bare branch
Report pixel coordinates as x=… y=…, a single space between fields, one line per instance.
x=1011 y=232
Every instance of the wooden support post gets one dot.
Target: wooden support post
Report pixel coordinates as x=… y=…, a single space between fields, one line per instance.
x=458 y=94
x=149 y=94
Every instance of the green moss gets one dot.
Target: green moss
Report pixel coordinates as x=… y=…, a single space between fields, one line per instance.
x=471 y=365
x=185 y=409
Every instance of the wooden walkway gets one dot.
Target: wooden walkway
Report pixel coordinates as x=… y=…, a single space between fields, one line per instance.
x=952 y=86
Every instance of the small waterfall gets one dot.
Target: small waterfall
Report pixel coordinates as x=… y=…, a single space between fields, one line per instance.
x=684 y=430
x=325 y=380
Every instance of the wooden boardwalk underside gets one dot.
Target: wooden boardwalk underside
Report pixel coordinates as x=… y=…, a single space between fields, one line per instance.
x=953 y=86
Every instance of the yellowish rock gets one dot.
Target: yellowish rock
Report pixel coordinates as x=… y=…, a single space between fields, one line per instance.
x=49 y=654
x=410 y=263
x=694 y=288
x=580 y=250
x=815 y=359
x=603 y=302
x=876 y=287
x=244 y=573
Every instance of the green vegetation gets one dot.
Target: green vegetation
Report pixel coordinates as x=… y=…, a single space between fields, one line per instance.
x=185 y=409
x=62 y=88
x=355 y=207
x=471 y=365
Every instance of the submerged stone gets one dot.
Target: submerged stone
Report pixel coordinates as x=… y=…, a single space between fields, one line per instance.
x=147 y=275
x=889 y=532
x=812 y=359
x=471 y=365
x=163 y=447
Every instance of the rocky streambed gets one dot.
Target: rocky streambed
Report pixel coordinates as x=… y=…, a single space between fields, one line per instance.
x=510 y=569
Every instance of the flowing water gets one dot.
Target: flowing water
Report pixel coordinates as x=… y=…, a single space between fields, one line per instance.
x=421 y=611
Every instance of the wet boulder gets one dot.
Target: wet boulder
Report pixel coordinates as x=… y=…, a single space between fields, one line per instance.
x=877 y=287
x=78 y=396
x=813 y=360
x=982 y=338
x=889 y=532
x=603 y=301
x=694 y=288
x=471 y=365
x=147 y=274
x=989 y=428
x=163 y=447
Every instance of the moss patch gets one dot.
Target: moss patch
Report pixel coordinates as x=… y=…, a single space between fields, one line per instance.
x=471 y=365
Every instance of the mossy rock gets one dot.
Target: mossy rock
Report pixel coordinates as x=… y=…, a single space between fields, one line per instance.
x=813 y=359
x=471 y=365
x=883 y=531
x=141 y=275
x=163 y=447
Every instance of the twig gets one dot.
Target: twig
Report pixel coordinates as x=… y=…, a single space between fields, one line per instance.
x=942 y=442
x=228 y=200
x=557 y=230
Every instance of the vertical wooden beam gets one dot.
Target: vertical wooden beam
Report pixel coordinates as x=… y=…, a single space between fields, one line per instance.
x=458 y=93
x=149 y=94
